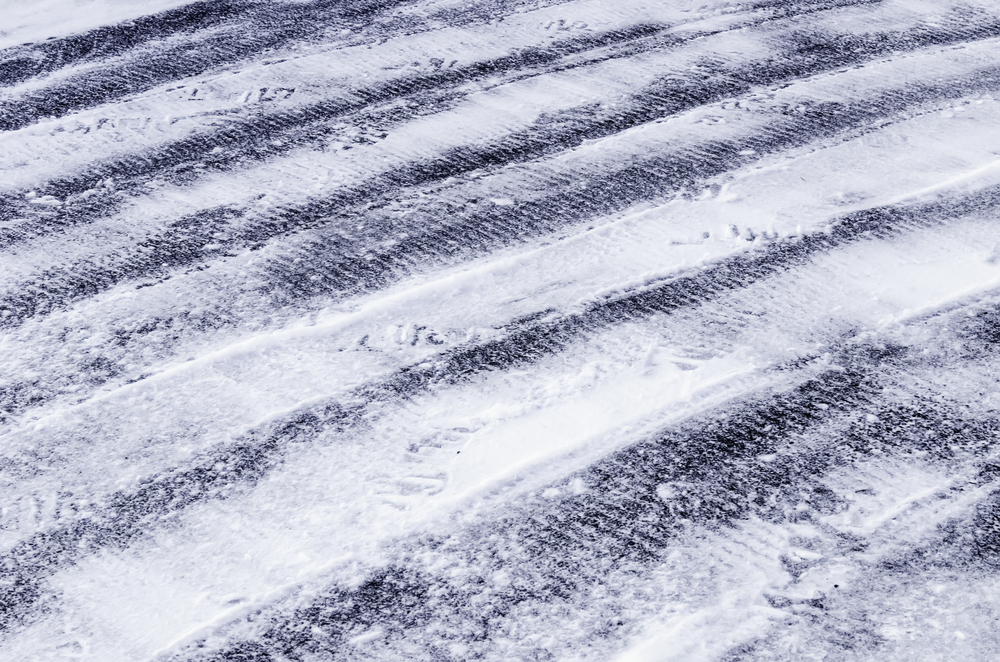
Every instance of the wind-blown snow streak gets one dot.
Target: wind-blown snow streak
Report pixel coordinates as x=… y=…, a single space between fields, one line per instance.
x=501 y=330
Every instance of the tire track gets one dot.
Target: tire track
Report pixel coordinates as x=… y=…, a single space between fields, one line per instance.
x=759 y=461
x=130 y=336
x=262 y=27
x=271 y=26
x=311 y=126
x=279 y=134
x=21 y=63
x=851 y=462
x=358 y=266
x=227 y=470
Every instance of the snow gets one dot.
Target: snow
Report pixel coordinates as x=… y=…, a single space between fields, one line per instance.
x=26 y=22
x=462 y=348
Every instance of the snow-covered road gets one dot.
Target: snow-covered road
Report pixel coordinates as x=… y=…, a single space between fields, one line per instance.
x=499 y=330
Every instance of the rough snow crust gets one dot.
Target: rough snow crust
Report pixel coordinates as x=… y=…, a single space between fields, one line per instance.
x=499 y=330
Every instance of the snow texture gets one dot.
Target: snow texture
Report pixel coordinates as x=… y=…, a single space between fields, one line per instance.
x=499 y=330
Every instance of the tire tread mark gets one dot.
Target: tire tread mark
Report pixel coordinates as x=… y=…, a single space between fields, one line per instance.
x=224 y=471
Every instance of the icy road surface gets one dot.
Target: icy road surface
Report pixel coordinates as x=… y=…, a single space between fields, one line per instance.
x=626 y=330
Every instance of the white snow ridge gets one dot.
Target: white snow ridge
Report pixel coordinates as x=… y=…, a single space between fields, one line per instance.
x=502 y=330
